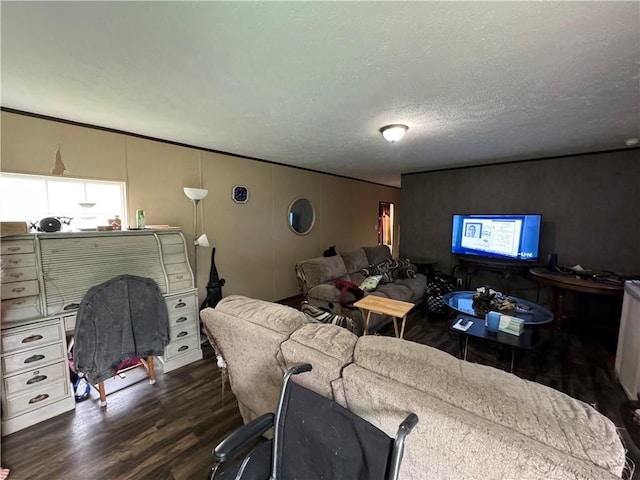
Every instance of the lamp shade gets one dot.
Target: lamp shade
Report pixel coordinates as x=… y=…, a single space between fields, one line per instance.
x=195 y=193
x=202 y=241
x=393 y=133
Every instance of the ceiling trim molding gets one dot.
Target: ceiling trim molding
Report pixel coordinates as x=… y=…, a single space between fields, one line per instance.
x=511 y=162
x=179 y=144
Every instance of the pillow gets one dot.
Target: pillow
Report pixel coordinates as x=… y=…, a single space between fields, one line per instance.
x=391 y=269
x=370 y=283
x=404 y=269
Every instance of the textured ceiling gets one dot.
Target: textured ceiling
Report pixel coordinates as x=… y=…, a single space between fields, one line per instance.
x=310 y=83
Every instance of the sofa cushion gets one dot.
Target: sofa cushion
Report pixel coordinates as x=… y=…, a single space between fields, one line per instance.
x=320 y=270
x=395 y=291
x=532 y=409
x=355 y=260
x=327 y=348
x=418 y=287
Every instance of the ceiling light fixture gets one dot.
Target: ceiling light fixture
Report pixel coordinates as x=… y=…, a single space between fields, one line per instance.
x=393 y=133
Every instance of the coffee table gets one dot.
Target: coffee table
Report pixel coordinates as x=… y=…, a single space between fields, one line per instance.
x=531 y=313
x=524 y=341
x=384 y=306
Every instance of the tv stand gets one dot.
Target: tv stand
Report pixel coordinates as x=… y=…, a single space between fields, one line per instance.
x=469 y=265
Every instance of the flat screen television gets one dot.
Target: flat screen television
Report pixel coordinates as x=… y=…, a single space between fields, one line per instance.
x=514 y=237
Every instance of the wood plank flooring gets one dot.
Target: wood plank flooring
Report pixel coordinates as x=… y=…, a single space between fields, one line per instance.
x=166 y=431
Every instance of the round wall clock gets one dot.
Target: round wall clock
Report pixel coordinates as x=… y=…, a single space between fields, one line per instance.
x=240 y=194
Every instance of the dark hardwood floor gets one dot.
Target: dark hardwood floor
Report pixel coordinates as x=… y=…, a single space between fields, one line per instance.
x=167 y=431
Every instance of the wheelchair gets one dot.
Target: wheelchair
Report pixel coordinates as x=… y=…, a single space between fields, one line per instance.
x=313 y=438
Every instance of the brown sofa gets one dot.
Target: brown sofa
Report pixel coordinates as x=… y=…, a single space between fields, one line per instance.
x=317 y=277
x=475 y=421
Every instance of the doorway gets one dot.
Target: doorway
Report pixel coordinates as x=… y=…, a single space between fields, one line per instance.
x=386 y=224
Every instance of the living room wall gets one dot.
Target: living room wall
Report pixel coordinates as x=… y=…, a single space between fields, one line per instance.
x=590 y=206
x=255 y=249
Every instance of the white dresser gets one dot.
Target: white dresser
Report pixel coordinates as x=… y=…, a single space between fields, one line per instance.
x=45 y=276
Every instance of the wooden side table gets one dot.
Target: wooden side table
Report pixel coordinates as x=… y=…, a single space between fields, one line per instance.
x=384 y=306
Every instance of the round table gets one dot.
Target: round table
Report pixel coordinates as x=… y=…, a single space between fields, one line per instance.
x=531 y=313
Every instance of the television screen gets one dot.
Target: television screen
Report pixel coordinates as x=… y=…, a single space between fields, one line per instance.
x=500 y=236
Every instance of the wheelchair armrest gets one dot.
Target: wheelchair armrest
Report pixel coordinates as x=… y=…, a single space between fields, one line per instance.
x=398 y=445
x=242 y=437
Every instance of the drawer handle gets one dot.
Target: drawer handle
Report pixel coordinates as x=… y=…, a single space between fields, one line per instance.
x=181 y=319
x=32 y=338
x=16 y=275
x=39 y=378
x=14 y=262
x=18 y=289
x=183 y=348
x=71 y=306
x=34 y=358
x=39 y=398
x=180 y=304
x=14 y=249
x=179 y=277
x=182 y=334
x=19 y=302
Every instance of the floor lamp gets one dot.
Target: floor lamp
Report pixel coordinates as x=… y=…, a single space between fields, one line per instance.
x=195 y=195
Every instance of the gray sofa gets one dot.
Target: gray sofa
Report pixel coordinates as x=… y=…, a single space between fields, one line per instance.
x=476 y=422
x=317 y=277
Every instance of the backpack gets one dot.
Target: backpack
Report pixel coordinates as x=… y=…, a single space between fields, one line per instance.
x=345 y=287
x=436 y=290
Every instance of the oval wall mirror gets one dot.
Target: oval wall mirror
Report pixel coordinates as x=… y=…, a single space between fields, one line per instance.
x=301 y=216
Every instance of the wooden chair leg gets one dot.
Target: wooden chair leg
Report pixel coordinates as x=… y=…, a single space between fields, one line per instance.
x=103 y=395
x=152 y=372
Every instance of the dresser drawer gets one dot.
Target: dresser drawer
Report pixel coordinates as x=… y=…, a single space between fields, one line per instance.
x=180 y=286
x=20 y=289
x=176 y=268
x=174 y=258
x=22 y=308
x=178 y=278
x=181 y=347
x=69 y=323
x=34 y=358
x=180 y=321
x=181 y=304
x=16 y=246
x=181 y=331
x=36 y=398
x=31 y=337
x=35 y=379
x=18 y=261
x=19 y=274
x=170 y=238
x=168 y=249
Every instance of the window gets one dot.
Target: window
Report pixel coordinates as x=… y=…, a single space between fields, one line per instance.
x=87 y=203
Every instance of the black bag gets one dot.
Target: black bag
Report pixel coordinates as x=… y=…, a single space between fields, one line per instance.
x=436 y=290
x=346 y=287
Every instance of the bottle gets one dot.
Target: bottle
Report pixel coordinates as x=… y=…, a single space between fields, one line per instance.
x=140 y=218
